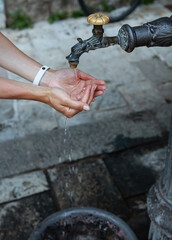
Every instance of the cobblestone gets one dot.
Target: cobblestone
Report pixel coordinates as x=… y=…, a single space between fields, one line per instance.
x=46 y=149
x=21 y=186
x=135 y=171
x=86 y=184
x=18 y=219
x=141 y=96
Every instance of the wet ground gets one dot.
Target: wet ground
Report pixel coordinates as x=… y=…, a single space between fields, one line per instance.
x=112 y=155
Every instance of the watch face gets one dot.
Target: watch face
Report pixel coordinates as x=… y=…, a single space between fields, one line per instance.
x=123 y=38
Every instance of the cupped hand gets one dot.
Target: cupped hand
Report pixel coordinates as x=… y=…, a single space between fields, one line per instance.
x=63 y=103
x=73 y=82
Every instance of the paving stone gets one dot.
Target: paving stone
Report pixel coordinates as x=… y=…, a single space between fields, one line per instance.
x=21 y=186
x=46 y=149
x=18 y=219
x=139 y=220
x=16 y=156
x=134 y=171
x=163 y=116
x=140 y=225
x=141 y=96
x=155 y=70
x=9 y=130
x=139 y=54
x=6 y=109
x=151 y=12
x=168 y=59
x=78 y=119
x=165 y=90
x=35 y=117
x=164 y=54
x=111 y=99
x=117 y=69
x=81 y=185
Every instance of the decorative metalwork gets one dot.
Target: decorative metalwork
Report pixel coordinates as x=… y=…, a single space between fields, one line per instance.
x=155 y=33
x=159 y=201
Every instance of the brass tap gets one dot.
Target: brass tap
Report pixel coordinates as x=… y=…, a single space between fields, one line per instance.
x=94 y=42
x=98 y=19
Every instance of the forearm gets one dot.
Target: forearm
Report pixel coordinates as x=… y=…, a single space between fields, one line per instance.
x=14 y=60
x=10 y=89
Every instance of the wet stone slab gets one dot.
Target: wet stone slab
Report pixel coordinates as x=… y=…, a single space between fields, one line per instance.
x=18 y=219
x=112 y=99
x=139 y=221
x=46 y=149
x=163 y=115
x=88 y=184
x=35 y=117
x=21 y=186
x=135 y=171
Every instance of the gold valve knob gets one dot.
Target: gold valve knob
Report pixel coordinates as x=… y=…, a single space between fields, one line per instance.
x=98 y=19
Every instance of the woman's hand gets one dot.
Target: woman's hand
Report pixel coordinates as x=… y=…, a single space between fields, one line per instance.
x=54 y=97
x=62 y=102
x=73 y=82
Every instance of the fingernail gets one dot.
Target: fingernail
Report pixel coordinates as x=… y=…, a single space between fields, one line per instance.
x=95 y=87
x=86 y=108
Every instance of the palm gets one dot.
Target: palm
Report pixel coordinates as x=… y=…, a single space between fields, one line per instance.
x=74 y=82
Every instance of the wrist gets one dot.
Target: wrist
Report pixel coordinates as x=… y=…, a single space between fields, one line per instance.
x=41 y=94
x=47 y=77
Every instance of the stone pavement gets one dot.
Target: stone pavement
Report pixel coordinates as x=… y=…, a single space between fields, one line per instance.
x=108 y=157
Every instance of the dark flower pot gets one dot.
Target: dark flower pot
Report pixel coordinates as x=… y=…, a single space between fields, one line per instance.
x=83 y=223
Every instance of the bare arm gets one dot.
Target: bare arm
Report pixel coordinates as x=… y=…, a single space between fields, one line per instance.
x=14 y=60
x=54 y=97
x=66 y=97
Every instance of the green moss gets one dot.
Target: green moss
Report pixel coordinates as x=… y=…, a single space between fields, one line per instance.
x=155 y=57
x=107 y=7
x=19 y=20
x=77 y=13
x=56 y=16
x=147 y=2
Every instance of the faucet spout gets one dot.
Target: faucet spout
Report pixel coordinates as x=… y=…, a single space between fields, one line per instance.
x=92 y=43
x=95 y=42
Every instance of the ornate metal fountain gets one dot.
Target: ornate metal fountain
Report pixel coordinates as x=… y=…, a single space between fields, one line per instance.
x=151 y=34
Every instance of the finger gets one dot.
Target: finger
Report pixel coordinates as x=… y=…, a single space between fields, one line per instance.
x=80 y=95
x=92 y=92
x=86 y=95
x=69 y=113
x=76 y=106
x=91 y=79
x=101 y=87
x=98 y=93
x=84 y=75
x=94 y=81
